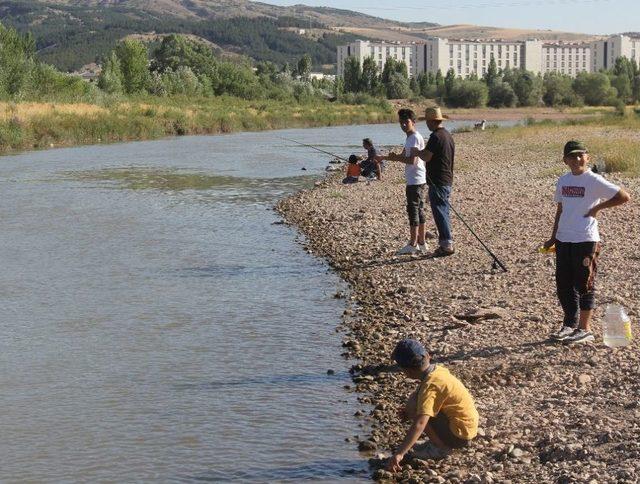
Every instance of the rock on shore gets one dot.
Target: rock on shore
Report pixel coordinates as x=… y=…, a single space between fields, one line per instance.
x=549 y=413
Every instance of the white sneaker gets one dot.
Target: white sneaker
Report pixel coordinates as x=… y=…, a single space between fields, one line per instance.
x=408 y=250
x=424 y=248
x=563 y=333
x=579 y=336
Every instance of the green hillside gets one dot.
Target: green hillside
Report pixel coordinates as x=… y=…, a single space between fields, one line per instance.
x=69 y=35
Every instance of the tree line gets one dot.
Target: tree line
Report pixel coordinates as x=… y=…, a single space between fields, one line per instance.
x=177 y=66
x=497 y=88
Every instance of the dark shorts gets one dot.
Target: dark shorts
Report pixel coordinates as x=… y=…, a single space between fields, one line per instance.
x=415 y=204
x=440 y=426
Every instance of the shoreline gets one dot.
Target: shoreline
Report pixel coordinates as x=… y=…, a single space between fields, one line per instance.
x=36 y=126
x=545 y=410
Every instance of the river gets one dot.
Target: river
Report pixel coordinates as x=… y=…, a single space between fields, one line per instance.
x=158 y=325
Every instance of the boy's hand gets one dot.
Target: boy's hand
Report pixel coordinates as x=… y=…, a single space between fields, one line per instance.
x=549 y=243
x=393 y=465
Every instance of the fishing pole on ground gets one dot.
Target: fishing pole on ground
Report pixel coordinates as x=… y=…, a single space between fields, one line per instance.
x=496 y=262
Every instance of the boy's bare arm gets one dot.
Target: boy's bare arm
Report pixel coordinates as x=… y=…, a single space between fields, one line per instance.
x=618 y=199
x=407 y=160
x=552 y=240
x=413 y=434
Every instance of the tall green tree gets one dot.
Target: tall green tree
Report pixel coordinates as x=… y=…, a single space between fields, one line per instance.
x=134 y=65
x=352 y=75
x=370 y=79
x=304 y=66
x=449 y=82
x=491 y=76
x=110 y=79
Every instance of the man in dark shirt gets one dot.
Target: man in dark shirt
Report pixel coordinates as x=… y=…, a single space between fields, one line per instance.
x=438 y=156
x=371 y=166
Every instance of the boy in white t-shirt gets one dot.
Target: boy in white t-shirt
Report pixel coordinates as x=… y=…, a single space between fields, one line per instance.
x=415 y=174
x=580 y=195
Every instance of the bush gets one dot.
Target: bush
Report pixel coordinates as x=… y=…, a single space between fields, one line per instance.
x=502 y=95
x=468 y=94
x=397 y=86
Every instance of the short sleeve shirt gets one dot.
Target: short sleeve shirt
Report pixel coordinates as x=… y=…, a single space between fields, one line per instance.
x=578 y=194
x=414 y=174
x=443 y=392
x=440 y=167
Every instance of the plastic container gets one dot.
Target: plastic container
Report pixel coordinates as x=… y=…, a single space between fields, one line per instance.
x=616 y=327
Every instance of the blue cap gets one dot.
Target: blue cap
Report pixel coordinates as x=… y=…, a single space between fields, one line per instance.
x=409 y=353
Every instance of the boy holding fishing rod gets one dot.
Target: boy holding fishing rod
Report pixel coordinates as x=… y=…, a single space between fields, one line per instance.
x=580 y=195
x=415 y=175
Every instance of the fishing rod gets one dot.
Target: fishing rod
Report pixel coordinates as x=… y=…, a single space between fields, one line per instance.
x=496 y=262
x=314 y=148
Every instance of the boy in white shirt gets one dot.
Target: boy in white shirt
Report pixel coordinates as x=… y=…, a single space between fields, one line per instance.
x=415 y=175
x=575 y=235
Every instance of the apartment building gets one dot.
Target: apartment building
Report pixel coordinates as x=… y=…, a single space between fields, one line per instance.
x=466 y=57
x=605 y=52
x=380 y=51
x=566 y=58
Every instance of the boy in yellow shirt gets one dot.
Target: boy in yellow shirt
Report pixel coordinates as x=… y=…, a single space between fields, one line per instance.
x=441 y=406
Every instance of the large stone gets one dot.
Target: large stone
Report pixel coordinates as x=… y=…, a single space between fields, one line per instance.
x=481 y=314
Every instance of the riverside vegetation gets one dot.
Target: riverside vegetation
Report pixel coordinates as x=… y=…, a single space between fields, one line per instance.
x=182 y=87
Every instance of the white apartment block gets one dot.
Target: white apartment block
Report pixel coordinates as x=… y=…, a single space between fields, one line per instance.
x=466 y=57
x=605 y=52
x=380 y=51
x=566 y=58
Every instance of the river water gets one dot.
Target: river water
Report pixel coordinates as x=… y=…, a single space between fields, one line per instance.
x=157 y=324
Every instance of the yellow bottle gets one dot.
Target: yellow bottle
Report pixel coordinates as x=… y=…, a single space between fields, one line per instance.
x=544 y=250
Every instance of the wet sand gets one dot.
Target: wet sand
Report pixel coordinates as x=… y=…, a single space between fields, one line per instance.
x=549 y=413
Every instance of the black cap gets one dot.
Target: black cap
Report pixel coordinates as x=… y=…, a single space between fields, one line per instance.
x=574 y=146
x=409 y=353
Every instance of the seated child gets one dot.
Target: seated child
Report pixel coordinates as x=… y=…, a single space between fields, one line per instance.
x=353 y=170
x=371 y=166
x=441 y=406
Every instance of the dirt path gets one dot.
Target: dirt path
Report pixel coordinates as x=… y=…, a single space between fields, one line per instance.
x=548 y=413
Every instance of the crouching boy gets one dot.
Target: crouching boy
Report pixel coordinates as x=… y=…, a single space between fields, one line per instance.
x=441 y=406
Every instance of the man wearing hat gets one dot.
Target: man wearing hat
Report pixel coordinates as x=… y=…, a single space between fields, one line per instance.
x=580 y=195
x=441 y=406
x=438 y=156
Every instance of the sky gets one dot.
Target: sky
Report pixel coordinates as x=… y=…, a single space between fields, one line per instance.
x=583 y=16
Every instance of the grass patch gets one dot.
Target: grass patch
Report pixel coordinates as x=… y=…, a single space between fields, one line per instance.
x=619 y=155
x=40 y=125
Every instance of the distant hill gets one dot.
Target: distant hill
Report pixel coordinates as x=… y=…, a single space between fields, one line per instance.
x=72 y=33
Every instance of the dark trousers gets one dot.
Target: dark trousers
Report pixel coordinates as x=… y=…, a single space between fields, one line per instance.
x=439 y=200
x=576 y=266
x=415 y=204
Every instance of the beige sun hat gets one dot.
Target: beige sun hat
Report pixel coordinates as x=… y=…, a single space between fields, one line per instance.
x=434 y=114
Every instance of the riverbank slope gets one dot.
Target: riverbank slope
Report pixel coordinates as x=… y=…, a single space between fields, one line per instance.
x=25 y=126
x=549 y=413
x=30 y=125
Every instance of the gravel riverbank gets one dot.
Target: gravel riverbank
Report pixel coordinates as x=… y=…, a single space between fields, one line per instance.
x=549 y=413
